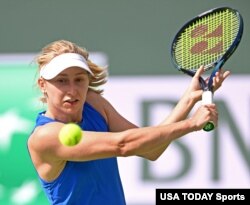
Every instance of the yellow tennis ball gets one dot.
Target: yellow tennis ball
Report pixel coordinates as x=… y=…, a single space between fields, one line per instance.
x=70 y=134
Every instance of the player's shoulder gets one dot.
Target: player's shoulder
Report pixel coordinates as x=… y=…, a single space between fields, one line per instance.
x=97 y=101
x=44 y=135
x=93 y=96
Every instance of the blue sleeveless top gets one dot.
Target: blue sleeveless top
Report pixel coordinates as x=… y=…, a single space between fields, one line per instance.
x=90 y=182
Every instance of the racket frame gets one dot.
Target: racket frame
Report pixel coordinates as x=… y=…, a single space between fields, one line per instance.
x=207 y=88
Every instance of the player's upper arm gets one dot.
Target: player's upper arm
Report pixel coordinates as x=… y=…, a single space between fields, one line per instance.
x=94 y=145
x=44 y=139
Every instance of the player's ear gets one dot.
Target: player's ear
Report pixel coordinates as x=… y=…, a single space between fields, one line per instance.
x=41 y=84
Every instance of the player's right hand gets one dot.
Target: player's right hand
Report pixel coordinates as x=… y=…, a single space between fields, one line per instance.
x=203 y=115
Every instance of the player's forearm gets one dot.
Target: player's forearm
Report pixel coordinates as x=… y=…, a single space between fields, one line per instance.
x=179 y=113
x=142 y=141
x=155 y=153
x=181 y=110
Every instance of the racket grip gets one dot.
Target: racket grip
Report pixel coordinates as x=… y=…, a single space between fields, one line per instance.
x=207 y=98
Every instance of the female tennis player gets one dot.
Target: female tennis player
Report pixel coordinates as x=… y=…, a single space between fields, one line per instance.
x=87 y=173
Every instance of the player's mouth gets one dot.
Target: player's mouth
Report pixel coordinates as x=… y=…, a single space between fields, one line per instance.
x=71 y=102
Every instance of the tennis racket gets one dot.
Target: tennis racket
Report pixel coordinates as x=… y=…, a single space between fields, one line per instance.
x=208 y=39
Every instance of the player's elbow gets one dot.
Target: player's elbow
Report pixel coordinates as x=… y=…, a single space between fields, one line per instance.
x=153 y=158
x=150 y=157
x=125 y=146
x=124 y=150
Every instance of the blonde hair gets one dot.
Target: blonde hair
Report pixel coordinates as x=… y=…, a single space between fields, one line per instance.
x=62 y=46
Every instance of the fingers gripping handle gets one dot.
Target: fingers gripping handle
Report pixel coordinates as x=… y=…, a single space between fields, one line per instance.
x=207 y=98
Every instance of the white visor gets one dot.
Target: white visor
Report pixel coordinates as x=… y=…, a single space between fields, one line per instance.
x=61 y=62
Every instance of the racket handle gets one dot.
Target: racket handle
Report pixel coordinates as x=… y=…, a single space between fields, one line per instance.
x=207 y=98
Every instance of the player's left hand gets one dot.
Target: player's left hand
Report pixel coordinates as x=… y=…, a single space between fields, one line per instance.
x=194 y=90
x=220 y=76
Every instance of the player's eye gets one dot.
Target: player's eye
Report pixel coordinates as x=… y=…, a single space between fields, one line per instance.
x=62 y=80
x=79 y=79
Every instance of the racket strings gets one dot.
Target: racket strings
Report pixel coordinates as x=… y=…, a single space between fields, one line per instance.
x=206 y=40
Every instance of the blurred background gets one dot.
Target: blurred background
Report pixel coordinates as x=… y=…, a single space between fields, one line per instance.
x=133 y=38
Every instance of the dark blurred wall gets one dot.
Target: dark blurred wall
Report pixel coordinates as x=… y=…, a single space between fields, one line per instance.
x=135 y=34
